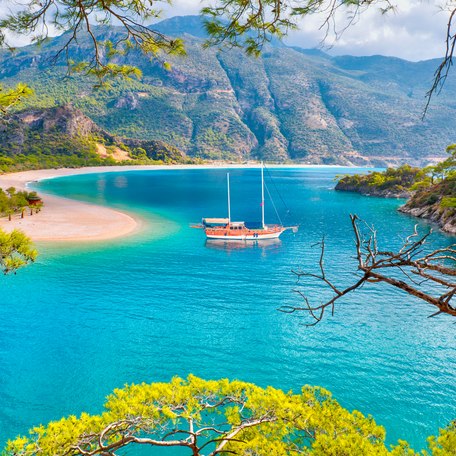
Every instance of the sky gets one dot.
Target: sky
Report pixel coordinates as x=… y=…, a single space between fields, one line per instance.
x=415 y=31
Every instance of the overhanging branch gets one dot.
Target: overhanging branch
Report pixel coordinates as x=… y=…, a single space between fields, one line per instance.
x=401 y=269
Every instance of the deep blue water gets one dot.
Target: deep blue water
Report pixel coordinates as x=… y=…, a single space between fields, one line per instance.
x=86 y=319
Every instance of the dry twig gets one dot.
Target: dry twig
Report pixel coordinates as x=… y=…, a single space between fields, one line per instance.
x=429 y=277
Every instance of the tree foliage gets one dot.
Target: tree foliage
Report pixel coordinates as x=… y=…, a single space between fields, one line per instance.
x=218 y=417
x=12 y=201
x=445 y=443
x=403 y=178
x=249 y=24
x=16 y=250
x=11 y=97
x=392 y=179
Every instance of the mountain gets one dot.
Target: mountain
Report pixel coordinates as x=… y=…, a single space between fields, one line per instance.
x=289 y=104
x=64 y=136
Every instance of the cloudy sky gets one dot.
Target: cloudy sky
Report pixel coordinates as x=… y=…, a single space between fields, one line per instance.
x=415 y=30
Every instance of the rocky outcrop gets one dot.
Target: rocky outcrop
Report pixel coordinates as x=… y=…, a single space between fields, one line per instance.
x=129 y=101
x=368 y=190
x=445 y=218
x=67 y=131
x=436 y=203
x=63 y=119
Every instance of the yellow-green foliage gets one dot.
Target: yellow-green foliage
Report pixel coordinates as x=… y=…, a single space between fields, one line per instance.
x=403 y=178
x=261 y=421
x=443 y=189
x=425 y=183
x=16 y=250
x=445 y=443
x=448 y=202
x=12 y=201
x=10 y=97
x=220 y=417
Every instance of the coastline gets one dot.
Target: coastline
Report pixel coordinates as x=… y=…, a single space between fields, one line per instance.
x=68 y=220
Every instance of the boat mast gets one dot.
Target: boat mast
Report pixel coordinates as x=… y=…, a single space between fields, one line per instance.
x=228 y=187
x=262 y=196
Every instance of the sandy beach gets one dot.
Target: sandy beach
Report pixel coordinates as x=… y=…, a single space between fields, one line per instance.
x=63 y=219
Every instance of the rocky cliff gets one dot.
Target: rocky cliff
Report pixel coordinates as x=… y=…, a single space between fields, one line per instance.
x=445 y=218
x=65 y=136
x=369 y=190
x=436 y=203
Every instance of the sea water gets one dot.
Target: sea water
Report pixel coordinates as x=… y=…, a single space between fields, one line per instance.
x=85 y=319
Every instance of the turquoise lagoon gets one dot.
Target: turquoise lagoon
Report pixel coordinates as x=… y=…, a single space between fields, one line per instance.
x=86 y=319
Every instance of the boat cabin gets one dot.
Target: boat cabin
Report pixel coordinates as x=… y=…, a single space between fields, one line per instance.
x=222 y=223
x=215 y=222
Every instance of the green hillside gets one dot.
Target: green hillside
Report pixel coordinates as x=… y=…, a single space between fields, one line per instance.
x=289 y=104
x=64 y=137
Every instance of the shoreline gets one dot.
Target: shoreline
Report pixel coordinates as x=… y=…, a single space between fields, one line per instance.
x=65 y=220
x=68 y=220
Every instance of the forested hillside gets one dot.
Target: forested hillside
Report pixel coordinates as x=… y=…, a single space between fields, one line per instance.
x=64 y=137
x=289 y=104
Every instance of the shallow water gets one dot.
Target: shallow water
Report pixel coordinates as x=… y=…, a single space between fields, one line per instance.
x=85 y=320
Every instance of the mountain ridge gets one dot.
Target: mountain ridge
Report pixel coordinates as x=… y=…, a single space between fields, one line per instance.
x=289 y=105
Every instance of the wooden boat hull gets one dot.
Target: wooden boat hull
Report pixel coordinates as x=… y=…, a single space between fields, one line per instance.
x=247 y=235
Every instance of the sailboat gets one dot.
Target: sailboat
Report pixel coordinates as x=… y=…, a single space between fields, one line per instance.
x=228 y=230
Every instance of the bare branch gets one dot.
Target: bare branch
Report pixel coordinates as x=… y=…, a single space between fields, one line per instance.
x=441 y=73
x=378 y=266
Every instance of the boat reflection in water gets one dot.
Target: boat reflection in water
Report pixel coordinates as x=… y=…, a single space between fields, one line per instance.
x=265 y=245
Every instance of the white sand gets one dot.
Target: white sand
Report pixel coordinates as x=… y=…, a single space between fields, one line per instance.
x=63 y=219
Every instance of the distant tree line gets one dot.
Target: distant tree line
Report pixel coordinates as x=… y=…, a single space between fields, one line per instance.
x=58 y=150
x=17 y=202
x=429 y=184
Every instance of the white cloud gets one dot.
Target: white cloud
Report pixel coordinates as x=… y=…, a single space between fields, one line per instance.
x=8 y=7
x=183 y=7
x=415 y=31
